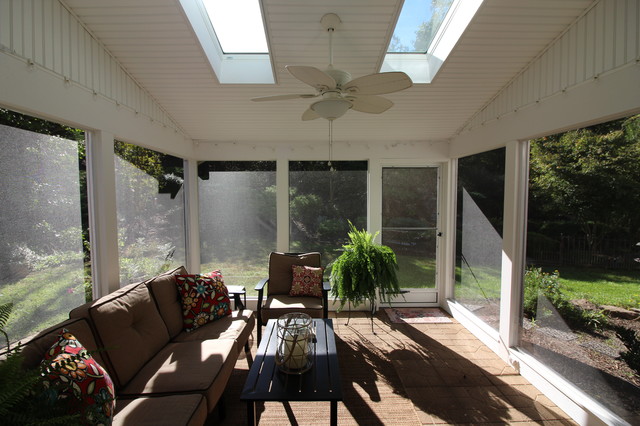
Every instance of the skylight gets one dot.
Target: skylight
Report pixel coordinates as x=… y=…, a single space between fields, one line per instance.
x=425 y=35
x=233 y=37
x=417 y=25
x=238 y=25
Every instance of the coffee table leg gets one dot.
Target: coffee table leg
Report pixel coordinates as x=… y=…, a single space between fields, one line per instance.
x=334 y=413
x=251 y=413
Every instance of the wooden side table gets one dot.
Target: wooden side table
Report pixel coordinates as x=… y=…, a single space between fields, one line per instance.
x=236 y=291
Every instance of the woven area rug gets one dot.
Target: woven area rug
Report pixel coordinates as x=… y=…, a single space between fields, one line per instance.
x=417 y=315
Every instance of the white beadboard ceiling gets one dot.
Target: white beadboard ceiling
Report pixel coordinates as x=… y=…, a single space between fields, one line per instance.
x=153 y=41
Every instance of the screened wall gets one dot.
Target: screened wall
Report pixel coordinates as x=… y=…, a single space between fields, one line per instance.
x=43 y=208
x=237 y=213
x=479 y=234
x=323 y=200
x=150 y=210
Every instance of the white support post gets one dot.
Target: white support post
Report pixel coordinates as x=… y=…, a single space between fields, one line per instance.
x=374 y=211
x=282 y=205
x=103 y=220
x=514 y=242
x=448 y=209
x=192 y=216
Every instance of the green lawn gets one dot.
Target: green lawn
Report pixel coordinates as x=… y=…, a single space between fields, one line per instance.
x=479 y=284
x=416 y=272
x=246 y=273
x=42 y=298
x=601 y=286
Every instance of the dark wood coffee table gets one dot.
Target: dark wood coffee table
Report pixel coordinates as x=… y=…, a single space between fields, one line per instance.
x=321 y=383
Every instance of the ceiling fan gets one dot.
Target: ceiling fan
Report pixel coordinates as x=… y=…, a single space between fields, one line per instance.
x=338 y=92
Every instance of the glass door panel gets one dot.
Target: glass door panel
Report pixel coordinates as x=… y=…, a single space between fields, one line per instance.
x=409 y=227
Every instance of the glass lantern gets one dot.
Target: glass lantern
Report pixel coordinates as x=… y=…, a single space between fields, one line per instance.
x=296 y=348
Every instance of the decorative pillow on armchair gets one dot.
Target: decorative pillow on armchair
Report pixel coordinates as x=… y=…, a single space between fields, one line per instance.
x=71 y=372
x=307 y=281
x=204 y=299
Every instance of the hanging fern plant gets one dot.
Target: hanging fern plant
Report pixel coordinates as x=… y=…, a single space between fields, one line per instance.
x=364 y=270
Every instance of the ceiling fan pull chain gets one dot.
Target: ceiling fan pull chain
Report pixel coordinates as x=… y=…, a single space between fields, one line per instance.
x=330 y=145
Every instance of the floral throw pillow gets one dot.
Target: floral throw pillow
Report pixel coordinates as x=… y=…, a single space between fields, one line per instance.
x=71 y=373
x=204 y=299
x=307 y=281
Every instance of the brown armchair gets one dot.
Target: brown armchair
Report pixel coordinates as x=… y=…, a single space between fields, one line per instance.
x=278 y=301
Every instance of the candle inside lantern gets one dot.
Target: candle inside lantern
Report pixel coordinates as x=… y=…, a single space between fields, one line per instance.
x=295 y=351
x=294 y=334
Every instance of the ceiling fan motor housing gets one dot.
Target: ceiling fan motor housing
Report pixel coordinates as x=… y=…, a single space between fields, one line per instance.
x=341 y=77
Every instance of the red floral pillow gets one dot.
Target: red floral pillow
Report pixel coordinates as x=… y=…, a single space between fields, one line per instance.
x=70 y=371
x=204 y=299
x=307 y=281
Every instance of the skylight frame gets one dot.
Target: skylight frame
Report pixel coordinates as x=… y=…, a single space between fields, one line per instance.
x=230 y=68
x=423 y=67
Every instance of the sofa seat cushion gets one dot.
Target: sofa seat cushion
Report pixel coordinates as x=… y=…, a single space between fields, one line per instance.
x=128 y=327
x=280 y=304
x=187 y=367
x=237 y=326
x=188 y=410
x=164 y=291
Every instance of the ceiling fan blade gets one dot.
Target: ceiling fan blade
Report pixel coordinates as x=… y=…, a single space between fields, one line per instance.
x=312 y=76
x=370 y=104
x=378 y=84
x=283 y=97
x=309 y=114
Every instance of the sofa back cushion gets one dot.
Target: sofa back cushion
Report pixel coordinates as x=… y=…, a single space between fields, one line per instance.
x=167 y=298
x=128 y=326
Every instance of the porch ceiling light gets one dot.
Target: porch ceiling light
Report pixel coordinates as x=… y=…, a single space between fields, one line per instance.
x=331 y=108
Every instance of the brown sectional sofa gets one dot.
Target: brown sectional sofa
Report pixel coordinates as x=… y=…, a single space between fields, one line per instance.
x=162 y=374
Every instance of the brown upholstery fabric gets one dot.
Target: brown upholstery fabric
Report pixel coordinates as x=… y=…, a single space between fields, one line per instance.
x=237 y=326
x=187 y=367
x=129 y=327
x=280 y=273
x=163 y=289
x=278 y=305
x=189 y=410
x=34 y=347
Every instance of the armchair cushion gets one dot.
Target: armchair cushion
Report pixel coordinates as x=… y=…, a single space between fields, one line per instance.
x=281 y=273
x=307 y=281
x=279 y=304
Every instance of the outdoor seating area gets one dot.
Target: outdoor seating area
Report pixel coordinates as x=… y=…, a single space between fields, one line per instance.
x=404 y=211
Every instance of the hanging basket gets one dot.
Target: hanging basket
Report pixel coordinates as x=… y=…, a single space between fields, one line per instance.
x=296 y=347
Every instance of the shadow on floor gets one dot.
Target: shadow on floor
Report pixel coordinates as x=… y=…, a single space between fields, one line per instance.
x=443 y=383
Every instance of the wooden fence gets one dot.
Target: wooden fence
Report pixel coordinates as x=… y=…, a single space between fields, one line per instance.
x=608 y=254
